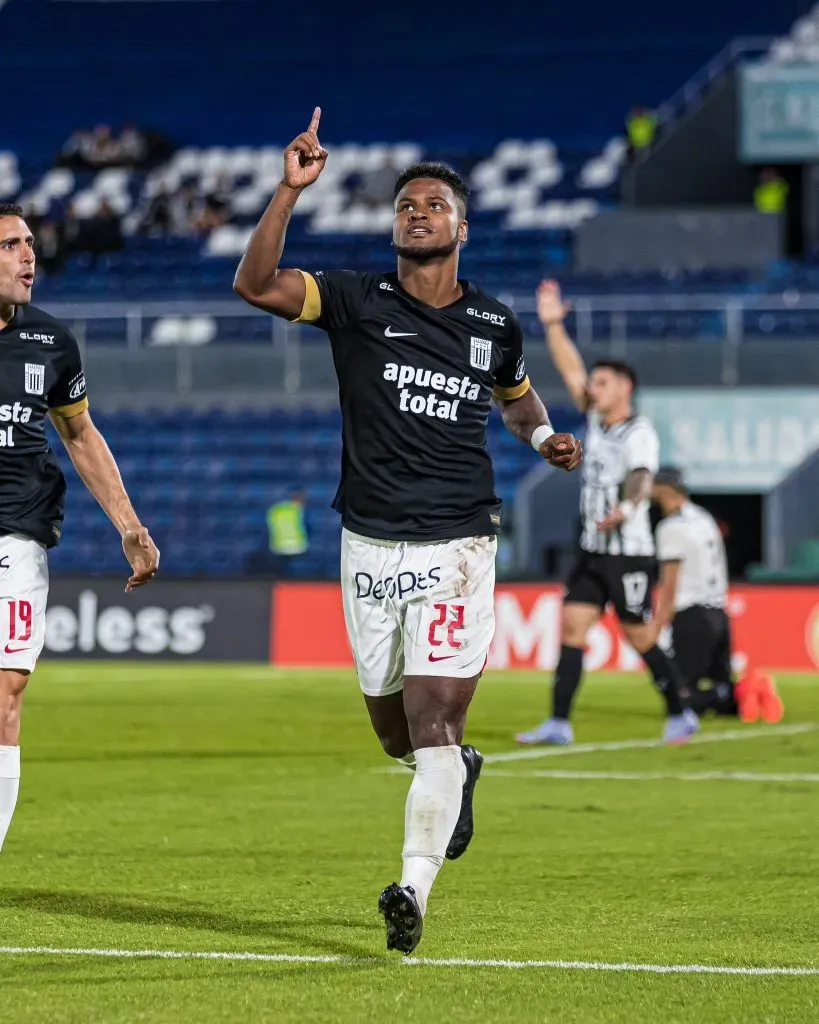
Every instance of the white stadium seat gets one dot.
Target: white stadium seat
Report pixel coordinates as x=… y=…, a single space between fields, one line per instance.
x=167 y=331
x=57 y=183
x=86 y=204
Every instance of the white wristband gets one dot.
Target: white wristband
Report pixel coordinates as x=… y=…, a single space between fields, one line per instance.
x=628 y=508
x=539 y=435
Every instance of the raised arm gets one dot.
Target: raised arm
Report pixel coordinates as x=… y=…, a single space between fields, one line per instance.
x=98 y=470
x=258 y=279
x=552 y=311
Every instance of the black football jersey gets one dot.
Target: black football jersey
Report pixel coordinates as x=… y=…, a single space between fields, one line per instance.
x=40 y=370
x=416 y=385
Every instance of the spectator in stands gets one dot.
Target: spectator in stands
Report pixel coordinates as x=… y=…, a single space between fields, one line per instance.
x=133 y=146
x=771 y=192
x=72 y=234
x=641 y=127
x=75 y=152
x=50 y=251
x=215 y=208
x=103 y=232
x=185 y=208
x=104 y=150
x=158 y=216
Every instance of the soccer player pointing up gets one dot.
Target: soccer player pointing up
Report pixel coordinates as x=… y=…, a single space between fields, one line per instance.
x=420 y=355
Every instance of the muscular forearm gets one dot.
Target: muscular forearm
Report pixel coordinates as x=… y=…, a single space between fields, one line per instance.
x=259 y=265
x=98 y=470
x=522 y=415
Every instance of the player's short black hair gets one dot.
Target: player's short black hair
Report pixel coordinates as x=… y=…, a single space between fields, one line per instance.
x=619 y=367
x=11 y=210
x=439 y=171
x=671 y=477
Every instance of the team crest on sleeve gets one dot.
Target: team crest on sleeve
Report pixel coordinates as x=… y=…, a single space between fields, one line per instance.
x=480 y=353
x=35 y=378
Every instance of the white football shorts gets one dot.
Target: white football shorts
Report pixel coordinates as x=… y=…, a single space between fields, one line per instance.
x=23 y=598
x=417 y=609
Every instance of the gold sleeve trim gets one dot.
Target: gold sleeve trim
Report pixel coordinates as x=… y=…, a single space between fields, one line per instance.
x=510 y=394
x=311 y=310
x=67 y=411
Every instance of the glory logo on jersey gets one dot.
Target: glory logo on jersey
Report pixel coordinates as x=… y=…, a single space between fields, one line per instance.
x=46 y=339
x=431 y=405
x=491 y=318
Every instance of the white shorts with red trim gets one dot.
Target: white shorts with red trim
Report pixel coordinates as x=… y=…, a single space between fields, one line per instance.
x=23 y=597
x=418 y=609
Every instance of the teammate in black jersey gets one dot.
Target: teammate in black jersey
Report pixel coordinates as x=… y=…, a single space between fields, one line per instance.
x=419 y=355
x=41 y=377
x=617 y=563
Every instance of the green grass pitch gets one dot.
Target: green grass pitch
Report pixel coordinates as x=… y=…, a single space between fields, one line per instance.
x=246 y=810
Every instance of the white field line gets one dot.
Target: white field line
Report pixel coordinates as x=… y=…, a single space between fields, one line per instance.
x=653 y=776
x=726 y=736
x=290 y=958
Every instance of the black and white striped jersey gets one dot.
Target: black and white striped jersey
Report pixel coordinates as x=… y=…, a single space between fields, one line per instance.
x=611 y=453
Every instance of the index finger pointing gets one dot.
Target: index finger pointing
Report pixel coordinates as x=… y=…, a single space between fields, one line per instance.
x=314 y=123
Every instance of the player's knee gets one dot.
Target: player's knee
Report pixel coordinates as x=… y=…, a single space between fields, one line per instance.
x=641 y=638
x=395 y=744
x=12 y=684
x=574 y=628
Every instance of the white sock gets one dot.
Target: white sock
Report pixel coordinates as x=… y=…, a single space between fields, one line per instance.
x=9 y=787
x=407 y=761
x=433 y=806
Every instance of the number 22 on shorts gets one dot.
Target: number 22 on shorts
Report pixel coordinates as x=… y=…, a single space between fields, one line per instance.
x=452 y=622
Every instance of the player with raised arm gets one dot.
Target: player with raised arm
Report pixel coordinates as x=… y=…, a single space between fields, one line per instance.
x=41 y=376
x=616 y=563
x=419 y=355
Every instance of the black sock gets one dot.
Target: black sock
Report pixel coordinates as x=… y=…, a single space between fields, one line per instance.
x=567 y=680
x=703 y=700
x=718 y=698
x=666 y=678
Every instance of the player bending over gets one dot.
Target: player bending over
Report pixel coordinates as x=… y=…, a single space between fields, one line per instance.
x=419 y=355
x=692 y=595
x=616 y=563
x=41 y=375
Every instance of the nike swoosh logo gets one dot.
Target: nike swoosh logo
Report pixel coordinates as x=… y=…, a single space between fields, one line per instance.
x=390 y=333
x=15 y=650
x=441 y=657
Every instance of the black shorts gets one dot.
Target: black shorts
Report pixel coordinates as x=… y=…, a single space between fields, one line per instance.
x=701 y=642
x=624 y=581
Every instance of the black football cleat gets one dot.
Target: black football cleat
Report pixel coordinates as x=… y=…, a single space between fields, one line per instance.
x=465 y=826
x=403 y=916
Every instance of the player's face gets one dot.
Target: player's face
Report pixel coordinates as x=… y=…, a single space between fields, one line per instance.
x=427 y=220
x=16 y=261
x=608 y=390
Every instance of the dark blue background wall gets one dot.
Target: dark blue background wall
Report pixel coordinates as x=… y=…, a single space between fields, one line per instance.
x=250 y=71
